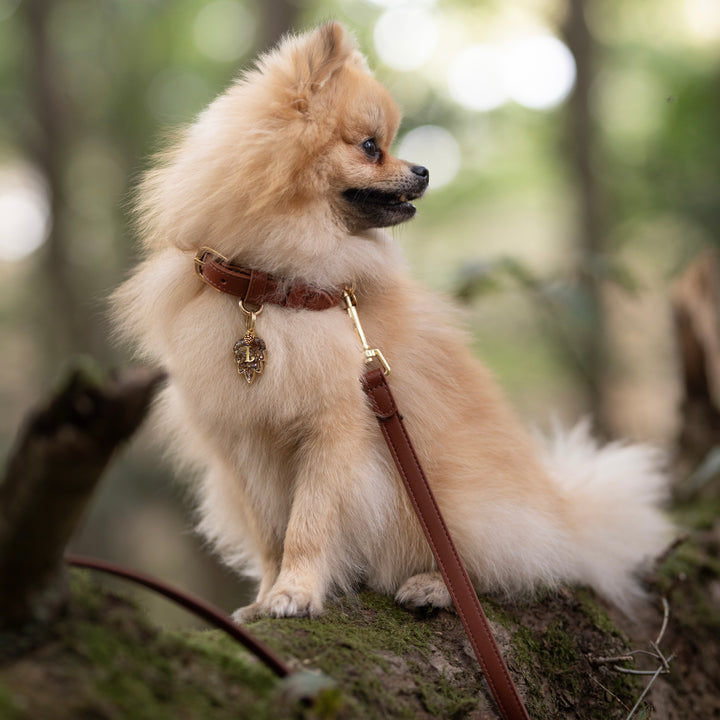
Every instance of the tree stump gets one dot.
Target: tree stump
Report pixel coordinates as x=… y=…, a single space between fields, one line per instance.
x=57 y=460
x=695 y=302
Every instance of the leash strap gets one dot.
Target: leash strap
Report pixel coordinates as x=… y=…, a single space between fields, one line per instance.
x=451 y=567
x=193 y=604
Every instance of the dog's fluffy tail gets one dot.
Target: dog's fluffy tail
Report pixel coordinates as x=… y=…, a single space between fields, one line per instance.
x=615 y=494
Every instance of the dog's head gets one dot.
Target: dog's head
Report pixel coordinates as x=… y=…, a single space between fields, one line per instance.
x=344 y=121
x=303 y=137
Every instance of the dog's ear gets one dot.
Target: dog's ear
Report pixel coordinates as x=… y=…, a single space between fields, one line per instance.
x=319 y=55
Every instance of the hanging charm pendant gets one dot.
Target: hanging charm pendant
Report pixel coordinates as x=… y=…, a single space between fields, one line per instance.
x=249 y=354
x=249 y=351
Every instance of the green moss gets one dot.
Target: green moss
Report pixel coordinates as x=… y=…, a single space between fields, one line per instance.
x=147 y=676
x=339 y=641
x=345 y=633
x=552 y=646
x=684 y=578
x=381 y=652
x=594 y=611
x=697 y=515
x=111 y=663
x=445 y=700
x=689 y=570
x=8 y=709
x=387 y=662
x=559 y=671
x=497 y=613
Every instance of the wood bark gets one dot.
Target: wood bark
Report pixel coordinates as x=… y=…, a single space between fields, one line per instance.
x=52 y=471
x=695 y=302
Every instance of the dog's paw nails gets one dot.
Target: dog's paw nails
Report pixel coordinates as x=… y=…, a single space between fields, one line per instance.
x=424 y=590
x=290 y=603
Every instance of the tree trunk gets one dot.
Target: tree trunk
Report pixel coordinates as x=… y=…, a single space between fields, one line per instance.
x=277 y=18
x=47 y=141
x=582 y=161
x=695 y=301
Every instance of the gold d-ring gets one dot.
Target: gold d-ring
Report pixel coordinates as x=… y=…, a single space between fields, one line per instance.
x=250 y=312
x=250 y=316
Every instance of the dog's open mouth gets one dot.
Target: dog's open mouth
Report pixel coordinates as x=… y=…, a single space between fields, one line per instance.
x=378 y=197
x=380 y=208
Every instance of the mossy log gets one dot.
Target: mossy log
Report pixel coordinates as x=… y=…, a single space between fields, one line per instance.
x=100 y=658
x=568 y=653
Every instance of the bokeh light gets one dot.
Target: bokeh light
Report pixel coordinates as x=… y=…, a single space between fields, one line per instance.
x=475 y=79
x=7 y=8
x=224 y=30
x=400 y=3
x=406 y=37
x=537 y=72
x=24 y=213
x=175 y=95
x=436 y=149
x=702 y=18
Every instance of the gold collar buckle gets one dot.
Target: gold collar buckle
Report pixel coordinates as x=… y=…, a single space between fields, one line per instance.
x=201 y=259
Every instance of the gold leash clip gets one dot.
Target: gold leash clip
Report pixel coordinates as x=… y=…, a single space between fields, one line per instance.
x=350 y=303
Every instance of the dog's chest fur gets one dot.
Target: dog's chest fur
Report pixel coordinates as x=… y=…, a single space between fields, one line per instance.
x=313 y=364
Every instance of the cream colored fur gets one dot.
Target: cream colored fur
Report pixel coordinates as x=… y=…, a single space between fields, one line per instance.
x=296 y=487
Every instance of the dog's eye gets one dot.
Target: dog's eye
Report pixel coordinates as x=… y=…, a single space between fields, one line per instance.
x=370 y=148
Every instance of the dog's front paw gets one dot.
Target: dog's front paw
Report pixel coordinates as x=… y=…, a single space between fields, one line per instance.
x=424 y=590
x=286 y=601
x=247 y=614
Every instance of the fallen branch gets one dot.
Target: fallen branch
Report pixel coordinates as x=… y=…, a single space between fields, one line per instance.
x=55 y=464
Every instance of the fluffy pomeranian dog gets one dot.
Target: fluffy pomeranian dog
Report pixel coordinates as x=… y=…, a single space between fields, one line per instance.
x=289 y=172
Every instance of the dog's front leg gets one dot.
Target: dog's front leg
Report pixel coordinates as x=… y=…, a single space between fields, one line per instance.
x=314 y=549
x=306 y=569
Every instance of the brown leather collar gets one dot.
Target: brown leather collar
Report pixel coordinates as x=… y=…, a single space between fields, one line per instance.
x=256 y=287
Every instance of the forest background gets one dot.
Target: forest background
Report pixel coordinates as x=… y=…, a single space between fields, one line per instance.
x=575 y=171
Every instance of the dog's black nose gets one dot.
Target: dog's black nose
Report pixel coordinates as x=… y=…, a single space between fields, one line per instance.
x=423 y=172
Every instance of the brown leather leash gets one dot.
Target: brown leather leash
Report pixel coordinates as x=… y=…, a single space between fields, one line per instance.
x=443 y=548
x=193 y=604
x=436 y=531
